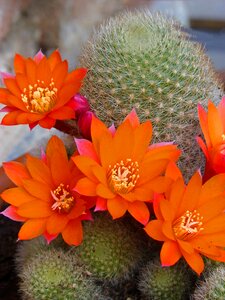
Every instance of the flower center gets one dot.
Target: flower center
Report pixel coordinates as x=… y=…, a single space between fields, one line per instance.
x=64 y=201
x=39 y=98
x=188 y=225
x=123 y=176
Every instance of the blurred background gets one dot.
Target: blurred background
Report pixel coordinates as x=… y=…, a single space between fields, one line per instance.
x=28 y=25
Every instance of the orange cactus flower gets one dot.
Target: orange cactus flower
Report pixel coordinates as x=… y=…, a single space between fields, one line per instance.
x=121 y=169
x=44 y=198
x=40 y=92
x=190 y=221
x=213 y=128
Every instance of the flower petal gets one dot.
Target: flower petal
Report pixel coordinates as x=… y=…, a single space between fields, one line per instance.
x=170 y=254
x=139 y=211
x=32 y=229
x=17 y=196
x=35 y=209
x=86 y=187
x=101 y=204
x=16 y=171
x=194 y=260
x=117 y=207
x=154 y=230
x=11 y=213
x=56 y=223
x=73 y=233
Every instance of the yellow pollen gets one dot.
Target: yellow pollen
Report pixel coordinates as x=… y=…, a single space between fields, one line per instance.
x=123 y=176
x=64 y=201
x=39 y=98
x=188 y=225
x=223 y=137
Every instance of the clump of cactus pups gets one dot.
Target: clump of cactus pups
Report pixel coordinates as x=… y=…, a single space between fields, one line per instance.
x=164 y=283
x=145 y=61
x=55 y=274
x=212 y=287
x=112 y=249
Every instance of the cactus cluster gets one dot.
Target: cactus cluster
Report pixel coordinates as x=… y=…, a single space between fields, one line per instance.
x=51 y=273
x=145 y=61
x=164 y=283
x=212 y=287
x=111 y=249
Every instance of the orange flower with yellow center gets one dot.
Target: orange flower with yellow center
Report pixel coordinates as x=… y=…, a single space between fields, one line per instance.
x=120 y=168
x=190 y=221
x=44 y=197
x=213 y=128
x=40 y=92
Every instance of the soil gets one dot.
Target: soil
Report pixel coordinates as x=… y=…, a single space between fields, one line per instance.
x=8 y=240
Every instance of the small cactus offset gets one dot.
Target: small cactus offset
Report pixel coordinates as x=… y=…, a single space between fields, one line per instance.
x=212 y=287
x=145 y=61
x=164 y=283
x=111 y=250
x=54 y=274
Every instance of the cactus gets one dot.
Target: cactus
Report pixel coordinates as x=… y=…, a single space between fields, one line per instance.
x=54 y=274
x=111 y=250
x=164 y=283
x=145 y=61
x=212 y=287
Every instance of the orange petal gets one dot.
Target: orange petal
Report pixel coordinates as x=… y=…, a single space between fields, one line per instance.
x=170 y=254
x=28 y=118
x=19 y=63
x=154 y=230
x=59 y=74
x=63 y=113
x=212 y=209
x=85 y=165
x=105 y=154
x=100 y=174
x=58 y=161
x=142 y=193
x=117 y=207
x=214 y=187
x=215 y=224
x=194 y=260
x=86 y=187
x=172 y=171
x=203 y=246
x=35 y=209
x=150 y=170
x=31 y=69
x=203 y=147
x=16 y=171
x=217 y=239
x=104 y=192
x=186 y=246
x=167 y=229
x=86 y=148
x=73 y=233
x=43 y=71
x=54 y=59
x=11 y=213
x=158 y=152
x=156 y=205
x=176 y=193
x=133 y=118
x=203 y=120
x=11 y=118
x=98 y=128
x=16 y=102
x=76 y=75
x=65 y=94
x=12 y=86
x=123 y=141
x=56 y=223
x=79 y=208
x=47 y=123
x=191 y=194
x=17 y=196
x=167 y=210
x=159 y=185
x=142 y=138
x=37 y=189
x=139 y=211
x=38 y=170
x=101 y=204
x=215 y=125
x=32 y=229
x=22 y=81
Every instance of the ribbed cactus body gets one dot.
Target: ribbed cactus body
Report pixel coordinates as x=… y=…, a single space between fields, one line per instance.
x=55 y=274
x=145 y=61
x=213 y=287
x=164 y=283
x=111 y=250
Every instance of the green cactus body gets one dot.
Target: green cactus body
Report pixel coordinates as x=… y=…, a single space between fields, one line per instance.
x=55 y=274
x=164 y=283
x=212 y=287
x=145 y=61
x=111 y=250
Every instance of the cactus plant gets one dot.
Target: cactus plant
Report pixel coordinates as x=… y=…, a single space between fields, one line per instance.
x=212 y=287
x=55 y=274
x=164 y=283
x=145 y=61
x=111 y=250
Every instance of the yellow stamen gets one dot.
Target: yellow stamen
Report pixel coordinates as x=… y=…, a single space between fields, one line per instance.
x=188 y=225
x=64 y=201
x=123 y=176
x=40 y=98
